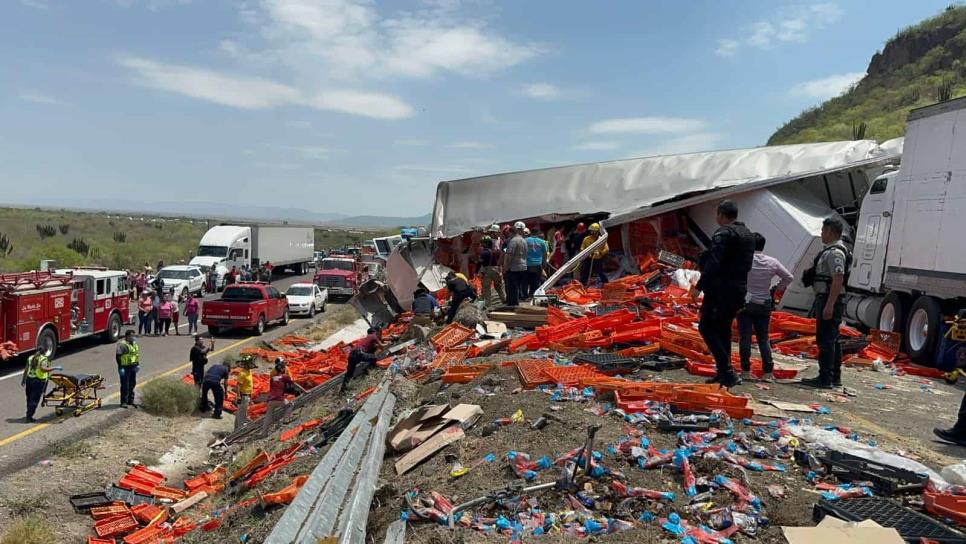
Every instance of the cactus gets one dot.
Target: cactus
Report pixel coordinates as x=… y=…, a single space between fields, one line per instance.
x=64 y=228
x=46 y=230
x=79 y=245
x=158 y=226
x=6 y=246
x=945 y=90
x=120 y=237
x=858 y=131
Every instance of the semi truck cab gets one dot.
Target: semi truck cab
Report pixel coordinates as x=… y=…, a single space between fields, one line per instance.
x=224 y=247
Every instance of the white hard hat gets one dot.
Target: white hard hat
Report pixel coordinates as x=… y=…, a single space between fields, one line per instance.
x=519 y=225
x=526 y=230
x=494 y=228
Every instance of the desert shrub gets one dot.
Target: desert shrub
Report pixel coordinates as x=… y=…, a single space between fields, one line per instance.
x=32 y=529
x=64 y=228
x=169 y=397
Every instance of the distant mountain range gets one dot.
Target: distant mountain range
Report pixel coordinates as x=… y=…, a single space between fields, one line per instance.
x=218 y=210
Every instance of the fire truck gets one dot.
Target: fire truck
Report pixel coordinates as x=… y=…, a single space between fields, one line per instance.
x=41 y=310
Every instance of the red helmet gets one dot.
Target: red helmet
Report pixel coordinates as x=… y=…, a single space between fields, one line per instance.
x=581 y=227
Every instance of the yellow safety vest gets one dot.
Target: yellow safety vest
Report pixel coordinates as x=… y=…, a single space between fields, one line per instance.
x=132 y=356
x=35 y=365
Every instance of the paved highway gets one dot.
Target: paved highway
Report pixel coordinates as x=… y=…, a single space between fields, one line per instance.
x=160 y=356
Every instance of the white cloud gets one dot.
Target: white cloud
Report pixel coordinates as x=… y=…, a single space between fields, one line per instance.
x=726 y=48
x=351 y=39
x=470 y=145
x=38 y=98
x=597 y=146
x=35 y=4
x=689 y=143
x=415 y=142
x=542 y=91
x=826 y=87
x=647 y=125
x=789 y=24
x=257 y=93
x=317 y=152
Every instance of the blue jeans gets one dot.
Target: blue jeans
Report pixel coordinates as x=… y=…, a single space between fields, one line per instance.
x=755 y=318
x=192 y=323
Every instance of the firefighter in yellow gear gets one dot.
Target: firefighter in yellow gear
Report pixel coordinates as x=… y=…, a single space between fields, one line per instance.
x=34 y=381
x=128 y=358
x=594 y=265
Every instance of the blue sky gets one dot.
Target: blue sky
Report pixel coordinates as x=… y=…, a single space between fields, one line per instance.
x=360 y=107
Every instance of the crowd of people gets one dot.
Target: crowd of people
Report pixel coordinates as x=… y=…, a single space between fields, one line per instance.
x=512 y=261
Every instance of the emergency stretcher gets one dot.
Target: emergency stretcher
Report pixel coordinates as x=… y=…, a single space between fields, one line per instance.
x=75 y=391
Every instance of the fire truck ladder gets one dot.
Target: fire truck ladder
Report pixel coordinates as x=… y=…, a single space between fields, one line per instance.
x=31 y=280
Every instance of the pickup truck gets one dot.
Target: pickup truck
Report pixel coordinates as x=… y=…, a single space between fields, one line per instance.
x=246 y=305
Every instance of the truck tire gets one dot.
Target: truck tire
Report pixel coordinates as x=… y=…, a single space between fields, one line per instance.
x=285 y=317
x=213 y=331
x=893 y=312
x=312 y=311
x=47 y=342
x=923 y=328
x=260 y=326
x=113 y=332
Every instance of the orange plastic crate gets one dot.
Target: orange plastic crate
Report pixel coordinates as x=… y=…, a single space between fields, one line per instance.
x=947 y=506
x=531 y=372
x=570 y=375
x=147 y=474
x=102 y=512
x=452 y=335
x=146 y=535
x=95 y=540
x=164 y=492
x=465 y=373
x=116 y=527
x=136 y=485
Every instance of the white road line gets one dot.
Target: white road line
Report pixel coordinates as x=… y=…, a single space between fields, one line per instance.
x=13 y=375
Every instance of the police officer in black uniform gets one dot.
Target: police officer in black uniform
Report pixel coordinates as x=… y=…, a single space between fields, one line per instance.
x=724 y=280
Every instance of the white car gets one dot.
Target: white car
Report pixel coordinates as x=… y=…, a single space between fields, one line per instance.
x=306 y=299
x=183 y=279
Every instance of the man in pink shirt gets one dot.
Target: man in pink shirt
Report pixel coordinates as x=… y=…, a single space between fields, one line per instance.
x=756 y=316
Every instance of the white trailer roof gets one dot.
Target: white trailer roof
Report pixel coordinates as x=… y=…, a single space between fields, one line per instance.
x=624 y=186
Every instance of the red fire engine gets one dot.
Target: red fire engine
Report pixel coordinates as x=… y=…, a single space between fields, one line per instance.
x=41 y=310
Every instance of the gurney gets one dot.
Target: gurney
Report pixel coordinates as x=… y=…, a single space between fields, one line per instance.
x=76 y=391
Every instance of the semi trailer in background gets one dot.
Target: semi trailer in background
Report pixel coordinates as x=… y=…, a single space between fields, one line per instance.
x=227 y=246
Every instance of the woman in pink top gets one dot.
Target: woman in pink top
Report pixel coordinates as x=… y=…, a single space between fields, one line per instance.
x=557 y=258
x=191 y=310
x=144 y=310
x=165 y=311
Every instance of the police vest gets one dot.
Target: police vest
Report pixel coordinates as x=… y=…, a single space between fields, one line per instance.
x=132 y=356
x=35 y=365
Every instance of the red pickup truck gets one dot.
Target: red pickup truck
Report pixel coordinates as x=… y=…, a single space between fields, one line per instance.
x=249 y=304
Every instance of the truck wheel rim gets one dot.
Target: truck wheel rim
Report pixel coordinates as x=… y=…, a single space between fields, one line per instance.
x=115 y=327
x=47 y=345
x=918 y=329
x=887 y=320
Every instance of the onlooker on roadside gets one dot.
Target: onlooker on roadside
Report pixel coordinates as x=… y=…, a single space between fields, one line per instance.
x=516 y=264
x=575 y=240
x=145 y=306
x=178 y=303
x=558 y=252
x=199 y=358
x=536 y=260
x=165 y=311
x=160 y=265
x=269 y=268
x=131 y=285
x=215 y=381
x=212 y=280
x=759 y=303
x=141 y=283
x=191 y=311
x=155 y=306
x=232 y=276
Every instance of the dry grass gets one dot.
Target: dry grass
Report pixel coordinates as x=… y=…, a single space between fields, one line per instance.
x=334 y=321
x=81 y=449
x=169 y=397
x=24 y=505
x=32 y=529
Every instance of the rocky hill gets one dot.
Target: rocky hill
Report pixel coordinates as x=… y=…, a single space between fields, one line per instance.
x=921 y=65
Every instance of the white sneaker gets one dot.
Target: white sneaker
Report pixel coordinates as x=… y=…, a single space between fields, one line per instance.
x=768 y=378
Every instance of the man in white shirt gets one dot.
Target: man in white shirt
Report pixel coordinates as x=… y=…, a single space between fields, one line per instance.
x=756 y=316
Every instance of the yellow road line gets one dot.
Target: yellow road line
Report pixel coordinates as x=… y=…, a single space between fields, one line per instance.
x=41 y=426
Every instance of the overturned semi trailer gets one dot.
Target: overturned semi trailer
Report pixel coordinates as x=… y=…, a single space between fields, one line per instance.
x=784 y=192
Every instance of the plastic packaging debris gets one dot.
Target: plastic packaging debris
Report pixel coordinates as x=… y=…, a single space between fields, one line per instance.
x=955 y=474
x=743 y=494
x=684 y=466
x=624 y=491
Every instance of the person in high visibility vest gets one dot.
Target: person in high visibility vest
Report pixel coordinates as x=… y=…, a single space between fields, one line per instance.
x=128 y=357
x=34 y=381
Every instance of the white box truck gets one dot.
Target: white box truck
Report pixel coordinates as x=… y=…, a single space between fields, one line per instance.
x=225 y=246
x=909 y=267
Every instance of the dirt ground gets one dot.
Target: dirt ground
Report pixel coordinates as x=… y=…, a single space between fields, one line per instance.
x=898 y=415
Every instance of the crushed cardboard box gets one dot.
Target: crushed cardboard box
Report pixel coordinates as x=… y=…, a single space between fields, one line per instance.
x=427 y=421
